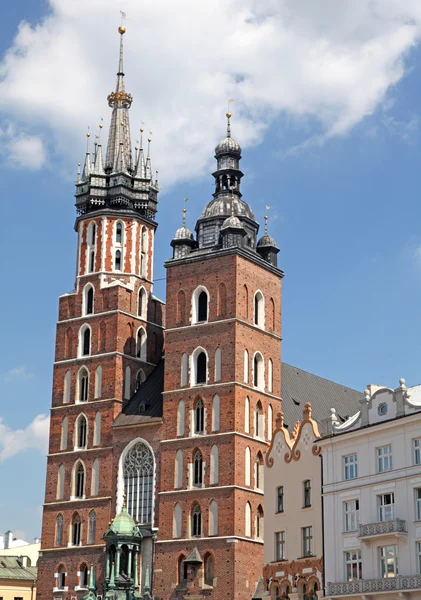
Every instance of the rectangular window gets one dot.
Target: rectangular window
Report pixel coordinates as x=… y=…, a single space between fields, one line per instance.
x=384 y=459
x=418 y=504
x=307 y=493
x=416 y=445
x=307 y=537
x=350 y=466
x=388 y=561
x=418 y=552
x=386 y=507
x=353 y=565
x=351 y=515
x=280 y=545
x=280 y=499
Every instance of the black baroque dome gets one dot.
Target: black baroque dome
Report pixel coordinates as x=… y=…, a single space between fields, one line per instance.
x=224 y=206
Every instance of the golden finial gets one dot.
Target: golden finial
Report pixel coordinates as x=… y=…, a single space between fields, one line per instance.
x=266 y=217
x=184 y=211
x=88 y=135
x=122 y=29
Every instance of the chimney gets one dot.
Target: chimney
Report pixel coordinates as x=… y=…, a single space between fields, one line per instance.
x=36 y=540
x=8 y=539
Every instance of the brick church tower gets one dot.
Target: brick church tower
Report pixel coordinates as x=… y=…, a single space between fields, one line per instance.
x=221 y=390
x=109 y=338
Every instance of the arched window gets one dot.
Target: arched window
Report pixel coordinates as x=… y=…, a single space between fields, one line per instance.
x=91 y=240
x=199 y=417
x=92 y=527
x=138 y=471
x=84 y=576
x=79 y=480
x=140 y=378
x=201 y=368
x=259 y=425
x=61 y=578
x=198 y=469
x=214 y=466
x=177 y=521
x=270 y=422
x=98 y=382
x=247 y=415
x=119 y=233
x=260 y=523
x=143 y=251
x=181 y=571
x=68 y=343
x=88 y=300
x=270 y=376
x=95 y=478
x=184 y=369
x=142 y=303
x=178 y=475
x=258 y=472
x=215 y=412
x=64 y=433
x=272 y=314
x=127 y=382
x=81 y=433
x=181 y=307
x=66 y=387
x=209 y=569
x=117 y=261
x=218 y=364
x=83 y=385
x=246 y=366
x=97 y=429
x=91 y=261
x=141 y=344
x=85 y=341
x=59 y=531
x=180 y=418
x=213 y=518
x=222 y=300
x=246 y=301
x=196 y=521
x=259 y=310
x=76 y=530
x=200 y=302
x=60 y=482
x=258 y=371
x=247 y=467
x=248 y=520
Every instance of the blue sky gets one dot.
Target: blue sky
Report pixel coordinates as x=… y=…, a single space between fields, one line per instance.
x=345 y=211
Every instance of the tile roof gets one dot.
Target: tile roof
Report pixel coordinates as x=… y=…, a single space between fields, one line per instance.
x=299 y=387
x=11 y=568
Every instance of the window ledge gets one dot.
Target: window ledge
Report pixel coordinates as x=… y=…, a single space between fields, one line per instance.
x=61 y=589
x=80 y=587
x=306 y=556
x=281 y=560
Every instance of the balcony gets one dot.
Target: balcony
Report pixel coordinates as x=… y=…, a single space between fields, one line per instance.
x=372 y=586
x=397 y=527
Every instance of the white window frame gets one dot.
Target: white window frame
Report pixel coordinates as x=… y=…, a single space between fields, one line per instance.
x=416 y=448
x=417 y=495
x=280 y=553
x=351 y=561
x=384 y=458
x=351 y=514
x=350 y=464
x=383 y=561
x=418 y=553
x=307 y=540
x=385 y=506
x=195 y=305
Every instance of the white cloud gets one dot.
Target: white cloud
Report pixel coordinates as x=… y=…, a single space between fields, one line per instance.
x=33 y=437
x=331 y=60
x=17 y=373
x=20 y=149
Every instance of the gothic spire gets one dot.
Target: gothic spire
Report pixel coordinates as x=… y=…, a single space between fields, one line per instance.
x=119 y=141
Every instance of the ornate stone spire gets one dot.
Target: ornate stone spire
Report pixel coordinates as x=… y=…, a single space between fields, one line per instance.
x=119 y=141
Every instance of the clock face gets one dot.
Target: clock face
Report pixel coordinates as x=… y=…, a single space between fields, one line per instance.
x=382 y=410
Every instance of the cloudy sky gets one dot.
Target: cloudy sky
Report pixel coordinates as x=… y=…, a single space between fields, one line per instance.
x=327 y=108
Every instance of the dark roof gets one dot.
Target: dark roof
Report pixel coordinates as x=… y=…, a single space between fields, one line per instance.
x=146 y=404
x=299 y=387
x=11 y=568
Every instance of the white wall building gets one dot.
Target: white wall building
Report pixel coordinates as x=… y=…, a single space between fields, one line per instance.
x=372 y=497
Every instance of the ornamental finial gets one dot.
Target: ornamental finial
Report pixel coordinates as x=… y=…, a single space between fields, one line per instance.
x=184 y=211
x=228 y=115
x=266 y=217
x=122 y=29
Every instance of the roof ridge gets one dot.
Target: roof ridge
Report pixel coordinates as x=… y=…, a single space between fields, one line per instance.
x=322 y=378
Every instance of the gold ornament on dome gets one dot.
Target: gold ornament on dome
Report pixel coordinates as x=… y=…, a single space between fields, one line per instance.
x=116 y=97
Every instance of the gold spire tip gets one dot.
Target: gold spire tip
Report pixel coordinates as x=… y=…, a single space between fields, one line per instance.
x=228 y=115
x=121 y=30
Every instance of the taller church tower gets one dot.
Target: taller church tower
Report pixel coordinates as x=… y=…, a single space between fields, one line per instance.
x=221 y=390
x=109 y=338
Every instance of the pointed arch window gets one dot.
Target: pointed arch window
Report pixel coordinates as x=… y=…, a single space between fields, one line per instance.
x=246 y=301
x=259 y=309
x=258 y=371
x=270 y=422
x=79 y=480
x=61 y=578
x=59 y=531
x=60 y=482
x=260 y=523
x=209 y=569
x=198 y=469
x=177 y=521
x=216 y=403
x=81 y=433
x=95 y=478
x=247 y=466
x=259 y=471
x=97 y=429
x=141 y=344
x=201 y=368
x=84 y=576
x=270 y=376
x=182 y=571
x=143 y=251
x=85 y=341
x=200 y=302
x=64 y=433
x=178 y=476
x=127 y=382
x=259 y=421
x=76 y=530
x=246 y=366
x=91 y=238
x=138 y=472
x=83 y=384
x=140 y=378
x=91 y=261
x=98 y=382
x=180 y=418
x=118 y=233
x=247 y=415
x=142 y=303
x=248 y=520
x=117 y=260
x=213 y=518
x=66 y=387
x=199 y=417
x=196 y=517
x=89 y=300
x=184 y=369
x=214 y=465
x=218 y=364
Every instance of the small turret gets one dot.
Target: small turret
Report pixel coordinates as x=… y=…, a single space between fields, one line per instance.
x=183 y=240
x=267 y=247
